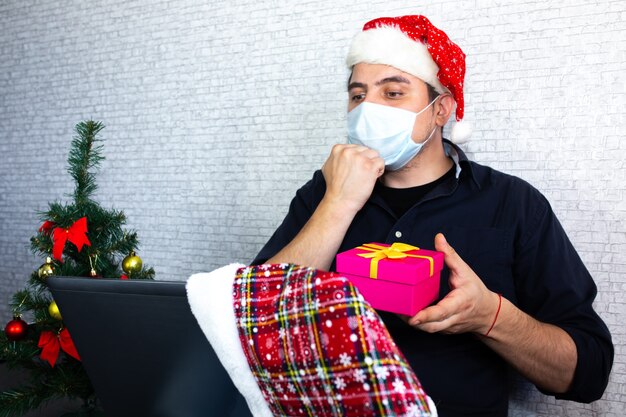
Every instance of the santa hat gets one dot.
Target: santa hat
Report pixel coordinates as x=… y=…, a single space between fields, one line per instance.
x=413 y=45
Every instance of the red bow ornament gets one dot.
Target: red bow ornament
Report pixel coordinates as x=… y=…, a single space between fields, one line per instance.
x=51 y=343
x=76 y=233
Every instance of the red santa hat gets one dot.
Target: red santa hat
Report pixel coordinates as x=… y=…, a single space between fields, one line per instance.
x=413 y=45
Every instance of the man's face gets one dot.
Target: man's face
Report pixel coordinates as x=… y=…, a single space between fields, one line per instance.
x=388 y=86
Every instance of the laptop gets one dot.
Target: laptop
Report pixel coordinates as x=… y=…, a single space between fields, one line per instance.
x=143 y=349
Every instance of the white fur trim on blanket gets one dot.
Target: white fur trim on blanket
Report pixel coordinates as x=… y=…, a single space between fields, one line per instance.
x=210 y=296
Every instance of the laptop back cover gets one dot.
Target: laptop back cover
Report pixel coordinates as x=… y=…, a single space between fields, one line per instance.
x=143 y=349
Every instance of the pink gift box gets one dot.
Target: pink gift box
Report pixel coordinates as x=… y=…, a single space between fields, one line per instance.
x=404 y=280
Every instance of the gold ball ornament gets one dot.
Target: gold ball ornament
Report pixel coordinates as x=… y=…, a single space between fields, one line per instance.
x=46 y=269
x=132 y=263
x=53 y=309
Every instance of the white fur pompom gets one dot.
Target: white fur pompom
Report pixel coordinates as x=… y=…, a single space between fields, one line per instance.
x=461 y=132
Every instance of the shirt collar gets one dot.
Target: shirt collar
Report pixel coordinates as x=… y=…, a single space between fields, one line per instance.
x=460 y=160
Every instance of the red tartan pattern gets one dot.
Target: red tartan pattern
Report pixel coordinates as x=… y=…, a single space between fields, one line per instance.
x=317 y=348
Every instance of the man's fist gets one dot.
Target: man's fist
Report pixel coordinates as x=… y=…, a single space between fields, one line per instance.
x=351 y=172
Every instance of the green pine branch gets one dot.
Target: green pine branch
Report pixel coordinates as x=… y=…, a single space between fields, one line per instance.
x=25 y=300
x=17 y=402
x=85 y=155
x=19 y=354
x=65 y=380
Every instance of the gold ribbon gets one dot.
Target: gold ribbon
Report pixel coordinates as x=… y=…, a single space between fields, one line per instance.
x=396 y=251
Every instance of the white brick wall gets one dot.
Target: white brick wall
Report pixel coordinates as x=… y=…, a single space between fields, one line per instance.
x=217 y=112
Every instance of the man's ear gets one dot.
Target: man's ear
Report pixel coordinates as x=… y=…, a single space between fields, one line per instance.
x=444 y=108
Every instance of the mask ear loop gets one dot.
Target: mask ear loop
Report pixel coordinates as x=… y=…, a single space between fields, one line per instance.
x=427 y=106
x=432 y=132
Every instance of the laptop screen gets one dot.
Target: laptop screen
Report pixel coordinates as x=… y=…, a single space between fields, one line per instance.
x=143 y=349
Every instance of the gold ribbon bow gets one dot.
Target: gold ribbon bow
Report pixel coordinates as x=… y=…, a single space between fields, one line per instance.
x=396 y=251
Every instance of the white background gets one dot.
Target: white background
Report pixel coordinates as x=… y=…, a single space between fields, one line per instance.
x=218 y=111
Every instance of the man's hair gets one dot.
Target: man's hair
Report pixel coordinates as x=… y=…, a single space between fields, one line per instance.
x=432 y=93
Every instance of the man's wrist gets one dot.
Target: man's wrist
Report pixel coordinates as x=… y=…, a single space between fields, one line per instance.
x=492 y=314
x=338 y=209
x=495 y=316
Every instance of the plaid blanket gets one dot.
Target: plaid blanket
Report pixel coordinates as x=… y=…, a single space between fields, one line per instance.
x=316 y=348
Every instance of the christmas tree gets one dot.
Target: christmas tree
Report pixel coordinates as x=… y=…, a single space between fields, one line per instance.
x=79 y=239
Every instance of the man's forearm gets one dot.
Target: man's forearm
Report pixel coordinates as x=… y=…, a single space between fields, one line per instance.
x=543 y=353
x=318 y=242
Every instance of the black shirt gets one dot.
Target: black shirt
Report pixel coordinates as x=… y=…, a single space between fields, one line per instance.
x=400 y=200
x=508 y=234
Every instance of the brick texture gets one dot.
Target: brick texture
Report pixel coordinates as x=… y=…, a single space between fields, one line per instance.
x=216 y=112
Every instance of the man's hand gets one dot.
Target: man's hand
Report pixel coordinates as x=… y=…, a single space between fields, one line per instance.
x=468 y=307
x=543 y=353
x=351 y=172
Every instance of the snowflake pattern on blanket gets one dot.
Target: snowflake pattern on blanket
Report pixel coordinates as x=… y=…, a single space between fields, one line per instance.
x=316 y=348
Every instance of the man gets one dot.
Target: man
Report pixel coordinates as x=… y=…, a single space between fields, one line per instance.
x=514 y=291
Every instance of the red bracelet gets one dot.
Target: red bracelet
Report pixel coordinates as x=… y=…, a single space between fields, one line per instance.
x=496 y=317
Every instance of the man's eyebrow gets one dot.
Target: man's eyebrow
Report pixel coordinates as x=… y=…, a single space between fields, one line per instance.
x=393 y=79
x=356 y=85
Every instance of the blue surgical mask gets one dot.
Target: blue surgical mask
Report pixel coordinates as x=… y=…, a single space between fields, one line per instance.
x=387 y=130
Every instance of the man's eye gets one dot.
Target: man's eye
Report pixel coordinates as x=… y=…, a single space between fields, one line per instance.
x=358 y=97
x=394 y=94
